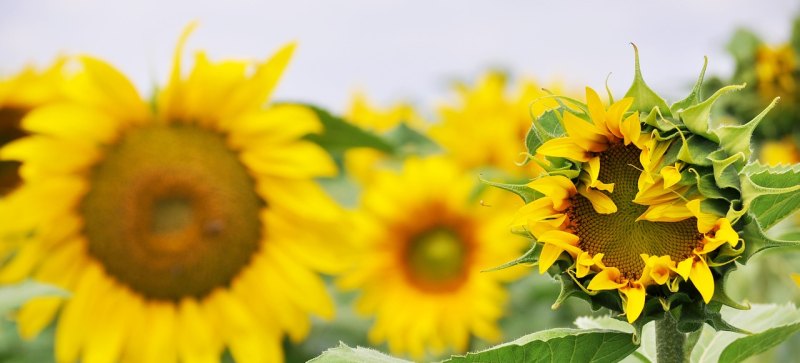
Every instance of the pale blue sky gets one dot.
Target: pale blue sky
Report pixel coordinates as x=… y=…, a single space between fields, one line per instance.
x=395 y=49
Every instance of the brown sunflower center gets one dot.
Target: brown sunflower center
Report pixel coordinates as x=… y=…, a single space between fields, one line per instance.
x=172 y=212
x=10 y=130
x=437 y=257
x=619 y=236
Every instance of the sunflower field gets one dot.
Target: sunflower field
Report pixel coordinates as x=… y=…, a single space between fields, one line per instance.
x=551 y=212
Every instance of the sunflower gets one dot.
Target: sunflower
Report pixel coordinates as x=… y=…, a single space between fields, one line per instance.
x=775 y=72
x=360 y=162
x=780 y=152
x=626 y=219
x=18 y=95
x=487 y=125
x=182 y=229
x=423 y=245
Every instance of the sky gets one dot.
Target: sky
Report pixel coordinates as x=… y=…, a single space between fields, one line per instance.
x=399 y=49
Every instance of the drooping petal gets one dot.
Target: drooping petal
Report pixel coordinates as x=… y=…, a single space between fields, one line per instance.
x=601 y=202
x=608 y=279
x=584 y=134
x=705 y=221
x=702 y=278
x=634 y=302
x=558 y=188
x=563 y=148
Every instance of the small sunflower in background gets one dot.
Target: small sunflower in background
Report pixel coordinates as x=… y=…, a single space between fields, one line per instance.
x=644 y=208
x=486 y=125
x=18 y=95
x=181 y=228
x=423 y=241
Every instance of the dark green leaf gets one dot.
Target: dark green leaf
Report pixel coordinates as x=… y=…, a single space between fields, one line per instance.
x=558 y=345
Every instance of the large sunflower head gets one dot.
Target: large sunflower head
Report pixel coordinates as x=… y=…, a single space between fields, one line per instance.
x=484 y=126
x=18 y=95
x=643 y=206
x=423 y=242
x=182 y=228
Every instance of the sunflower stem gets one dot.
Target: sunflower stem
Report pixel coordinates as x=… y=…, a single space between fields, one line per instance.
x=669 y=341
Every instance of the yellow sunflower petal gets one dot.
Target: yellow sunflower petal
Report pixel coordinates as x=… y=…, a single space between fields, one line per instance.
x=548 y=256
x=597 y=110
x=634 y=304
x=584 y=134
x=593 y=169
x=705 y=221
x=198 y=342
x=601 y=202
x=614 y=116
x=671 y=175
x=563 y=148
x=702 y=278
x=632 y=131
x=558 y=188
x=684 y=268
x=608 y=279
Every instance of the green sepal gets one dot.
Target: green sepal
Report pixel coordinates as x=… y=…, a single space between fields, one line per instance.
x=568 y=288
x=756 y=240
x=721 y=296
x=736 y=138
x=527 y=194
x=726 y=168
x=656 y=119
x=694 y=97
x=771 y=193
x=527 y=258
x=546 y=127
x=644 y=98
x=695 y=150
x=698 y=117
x=707 y=186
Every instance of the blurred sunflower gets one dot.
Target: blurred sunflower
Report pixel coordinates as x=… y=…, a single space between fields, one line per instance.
x=18 y=95
x=487 y=125
x=423 y=245
x=180 y=229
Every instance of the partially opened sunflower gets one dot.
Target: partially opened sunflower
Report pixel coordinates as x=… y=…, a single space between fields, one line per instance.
x=645 y=208
x=181 y=228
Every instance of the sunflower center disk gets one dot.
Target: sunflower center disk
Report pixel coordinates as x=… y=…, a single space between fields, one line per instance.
x=618 y=235
x=437 y=259
x=171 y=212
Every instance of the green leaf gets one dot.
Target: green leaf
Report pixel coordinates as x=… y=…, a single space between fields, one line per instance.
x=644 y=98
x=743 y=46
x=694 y=96
x=14 y=296
x=698 y=117
x=345 y=354
x=339 y=135
x=709 y=344
x=751 y=345
x=558 y=345
x=758 y=319
x=408 y=141
x=771 y=193
x=736 y=138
